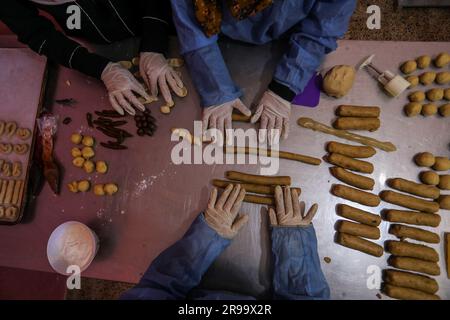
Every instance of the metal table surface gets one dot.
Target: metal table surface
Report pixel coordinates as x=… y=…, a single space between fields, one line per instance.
x=158 y=200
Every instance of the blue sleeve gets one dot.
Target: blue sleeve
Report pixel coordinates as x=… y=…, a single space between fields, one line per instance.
x=297 y=272
x=179 y=269
x=203 y=57
x=313 y=38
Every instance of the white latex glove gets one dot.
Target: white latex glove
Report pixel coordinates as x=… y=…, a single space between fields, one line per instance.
x=274 y=112
x=219 y=117
x=289 y=211
x=156 y=72
x=121 y=84
x=222 y=215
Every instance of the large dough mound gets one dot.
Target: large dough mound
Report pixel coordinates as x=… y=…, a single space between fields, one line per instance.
x=339 y=80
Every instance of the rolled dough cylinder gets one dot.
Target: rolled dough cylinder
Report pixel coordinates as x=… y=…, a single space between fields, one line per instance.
x=407 y=232
x=350 y=150
x=413 y=217
x=407 y=293
x=411 y=187
x=358 y=229
x=359 y=244
x=358 y=215
x=349 y=163
x=409 y=202
x=413 y=264
x=355 y=195
x=412 y=250
x=411 y=280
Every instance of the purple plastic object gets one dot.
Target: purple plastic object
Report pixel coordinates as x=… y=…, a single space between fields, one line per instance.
x=310 y=96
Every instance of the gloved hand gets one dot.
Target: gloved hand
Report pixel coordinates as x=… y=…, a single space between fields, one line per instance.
x=222 y=215
x=289 y=211
x=274 y=112
x=219 y=117
x=121 y=84
x=156 y=72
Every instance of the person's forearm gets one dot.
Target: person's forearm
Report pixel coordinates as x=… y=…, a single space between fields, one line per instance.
x=180 y=268
x=155 y=26
x=297 y=271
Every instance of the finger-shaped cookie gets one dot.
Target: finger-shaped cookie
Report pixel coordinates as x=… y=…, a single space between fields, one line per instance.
x=10 y=129
x=17 y=169
x=3 y=186
x=16 y=192
x=21 y=148
x=9 y=192
x=19 y=198
x=6 y=148
x=23 y=133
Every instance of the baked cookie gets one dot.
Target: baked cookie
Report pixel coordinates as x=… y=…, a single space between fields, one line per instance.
x=10 y=129
x=17 y=169
x=6 y=169
x=6 y=148
x=23 y=133
x=21 y=148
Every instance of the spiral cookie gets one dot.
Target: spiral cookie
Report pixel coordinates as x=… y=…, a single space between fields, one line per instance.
x=10 y=129
x=17 y=169
x=6 y=148
x=6 y=169
x=23 y=133
x=2 y=127
x=21 y=148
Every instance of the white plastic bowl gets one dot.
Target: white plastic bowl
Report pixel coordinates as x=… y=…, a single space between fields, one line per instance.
x=71 y=243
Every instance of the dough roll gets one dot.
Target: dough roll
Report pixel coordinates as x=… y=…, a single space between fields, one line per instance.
x=354 y=123
x=407 y=293
x=349 y=163
x=413 y=217
x=251 y=198
x=418 y=189
x=238 y=117
x=407 y=232
x=257 y=179
x=413 y=264
x=355 y=195
x=412 y=250
x=358 y=229
x=350 y=151
x=253 y=188
x=411 y=280
x=409 y=201
x=352 y=179
x=358 y=215
x=358 y=111
x=359 y=244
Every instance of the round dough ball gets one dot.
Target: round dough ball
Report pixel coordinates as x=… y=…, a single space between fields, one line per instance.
x=447 y=94
x=101 y=167
x=78 y=162
x=412 y=109
x=442 y=59
x=423 y=61
x=110 y=188
x=444 y=110
x=87 y=152
x=83 y=185
x=98 y=190
x=435 y=94
x=339 y=80
x=444 y=202
x=73 y=187
x=429 y=109
x=425 y=159
x=444 y=182
x=416 y=96
x=443 y=77
x=429 y=177
x=76 y=138
x=408 y=66
x=88 y=166
x=441 y=164
x=413 y=80
x=76 y=152
x=88 y=141
x=427 y=78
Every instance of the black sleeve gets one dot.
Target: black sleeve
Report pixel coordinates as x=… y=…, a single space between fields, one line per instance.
x=283 y=91
x=39 y=33
x=156 y=22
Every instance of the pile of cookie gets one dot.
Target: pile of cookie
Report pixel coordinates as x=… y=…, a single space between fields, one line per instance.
x=13 y=146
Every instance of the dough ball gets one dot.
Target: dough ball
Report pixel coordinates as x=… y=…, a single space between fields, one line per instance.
x=87 y=152
x=423 y=61
x=416 y=96
x=447 y=94
x=412 y=109
x=78 y=162
x=408 y=67
x=98 y=190
x=444 y=110
x=88 y=166
x=444 y=182
x=73 y=187
x=76 y=138
x=110 y=188
x=441 y=164
x=101 y=167
x=442 y=60
x=339 y=80
x=88 y=141
x=435 y=94
x=76 y=152
x=84 y=185
x=427 y=78
x=429 y=109
x=413 y=80
x=443 y=77
x=164 y=109
x=424 y=159
x=429 y=177
x=444 y=202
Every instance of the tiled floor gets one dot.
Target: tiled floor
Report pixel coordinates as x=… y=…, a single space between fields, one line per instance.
x=411 y=24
